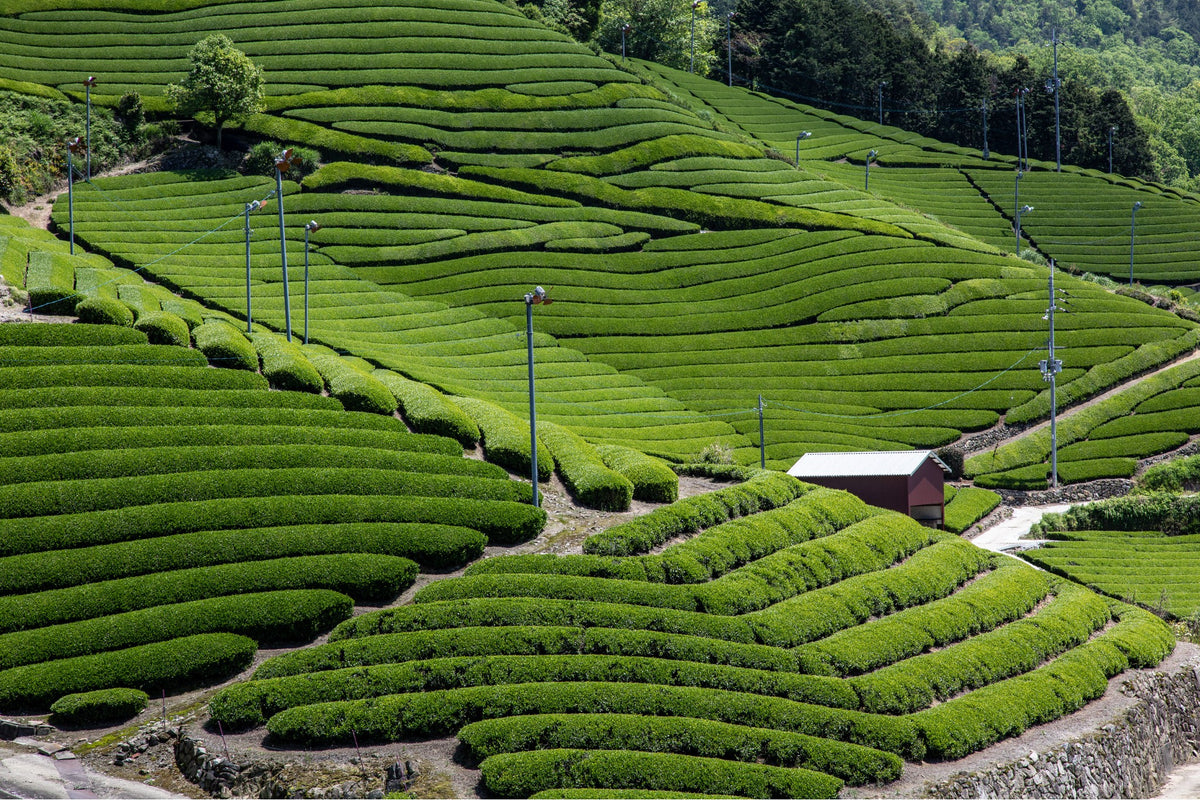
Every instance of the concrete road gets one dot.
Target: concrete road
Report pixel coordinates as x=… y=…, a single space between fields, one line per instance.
x=32 y=775
x=1005 y=536
x=1184 y=782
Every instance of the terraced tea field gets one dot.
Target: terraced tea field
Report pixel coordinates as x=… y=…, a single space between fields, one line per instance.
x=816 y=643
x=162 y=520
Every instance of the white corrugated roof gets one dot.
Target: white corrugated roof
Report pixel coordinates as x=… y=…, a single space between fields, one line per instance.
x=886 y=462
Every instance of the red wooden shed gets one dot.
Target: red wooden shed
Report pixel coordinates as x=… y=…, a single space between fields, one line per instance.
x=909 y=481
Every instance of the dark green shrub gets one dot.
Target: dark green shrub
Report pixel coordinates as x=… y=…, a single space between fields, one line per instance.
x=506 y=438
x=101 y=707
x=260 y=160
x=426 y=410
x=523 y=774
x=163 y=328
x=104 y=311
x=225 y=346
x=284 y=365
x=357 y=391
x=653 y=480
x=66 y=336
x=163 y=666
x=591 y=483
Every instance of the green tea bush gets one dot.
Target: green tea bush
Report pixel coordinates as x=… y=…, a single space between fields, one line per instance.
x=442 y=713
x=1176 y=475
x=104 y=311
x=854 y=764
x=356 y=391
x=163 y=666
x=590 y=482
x=968 y=506
x=260 y=160
x=506 y=438
x=653 y=480
x=432 y=546
x=284 y=365
x=365 y=577
x=426 y=410
x=268 y=617
x=253 y=703
x=164 y=328
x=101 y=707
x=693 y=514
x=523 y=774
x=225 y=346
x=68 y=336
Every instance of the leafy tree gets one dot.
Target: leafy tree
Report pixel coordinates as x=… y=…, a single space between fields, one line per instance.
x=662 y=31
x=222 y=83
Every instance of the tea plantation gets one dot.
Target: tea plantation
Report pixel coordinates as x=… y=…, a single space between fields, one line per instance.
x=162 y=520
x=181 y=486
x=801 y=641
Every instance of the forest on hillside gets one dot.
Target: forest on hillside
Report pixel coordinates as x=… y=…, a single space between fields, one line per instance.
x=1129 y=70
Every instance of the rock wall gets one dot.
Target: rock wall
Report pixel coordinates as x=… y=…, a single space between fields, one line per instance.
x=1131 y=757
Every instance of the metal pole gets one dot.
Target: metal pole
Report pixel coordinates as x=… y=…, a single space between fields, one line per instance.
x=306 y=232
x=532 y=407
x=71 y=197
x=762 y=445
x=799 y=136
x=249 y=207
x=1053 y=367
x=1132 y=229
x=986 y=154
x=1057 y=129
x=1025 y=126
x=624 y=30
x=1020 y=163
x=1110 y=149
x=1017 y=208
x=881 y=85
x=88 y=87
x=287 y=308
x=867 y=174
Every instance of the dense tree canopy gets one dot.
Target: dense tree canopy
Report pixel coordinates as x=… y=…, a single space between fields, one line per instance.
x=222 y=82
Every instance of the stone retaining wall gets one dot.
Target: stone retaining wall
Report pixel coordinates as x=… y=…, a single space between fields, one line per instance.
x=1131 y=757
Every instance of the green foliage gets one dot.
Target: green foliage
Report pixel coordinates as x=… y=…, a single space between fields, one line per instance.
x=694 y=514
x=104 y=311
x=522 y=774
x=506 y=438
x=284 y=364
x=100 y=707
x=584 y=472
x=225 y=346
x=653 y=480
x=969 y=505
x=164 y=328
x=171 y=665
x=426 y=410
x=358 y=391
x=260 y=160
x=221 y=81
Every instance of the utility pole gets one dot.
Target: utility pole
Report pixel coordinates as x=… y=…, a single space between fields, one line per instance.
x=1050 y=368
x=282 y=164
x=536 y=297
x=1020 y=156
x=881 y=85
x=692 y=63
x=867 y=175
x=762 y=445
x=986 y=154
x=1053 y=87
x=729 y=43
x=1111 y=130
x=254 y=206
x=625 y=29
x=799 y=136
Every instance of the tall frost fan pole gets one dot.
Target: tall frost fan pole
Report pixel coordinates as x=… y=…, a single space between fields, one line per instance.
x=536 y=297
x=1052 y=86
x=1050 y=367
x=282 y=164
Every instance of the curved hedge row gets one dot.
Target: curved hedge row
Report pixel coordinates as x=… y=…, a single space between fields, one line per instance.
x=225 y=346
x=100 y=707
x=442 y=713
x=426 y=410
x=653 y=480
x=267 y=617
x=357 y=391
x=362 y=576
x=523 y=774
x=251 y=704
x=692 y=514
x=584 y=472
x=506 y=438
x=284 y=365
x=175 y=664
x=503 y=522
x=854 y=764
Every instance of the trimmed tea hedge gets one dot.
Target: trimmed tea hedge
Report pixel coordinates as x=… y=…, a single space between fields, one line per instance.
x=101 y=707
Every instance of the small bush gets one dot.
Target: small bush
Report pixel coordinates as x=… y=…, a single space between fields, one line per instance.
x=261 y=160
x=103 y=311
x=103 y=706
x=163 y=328
x=225 y=346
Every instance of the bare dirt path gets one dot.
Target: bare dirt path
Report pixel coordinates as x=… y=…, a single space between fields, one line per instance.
x=37 y=211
